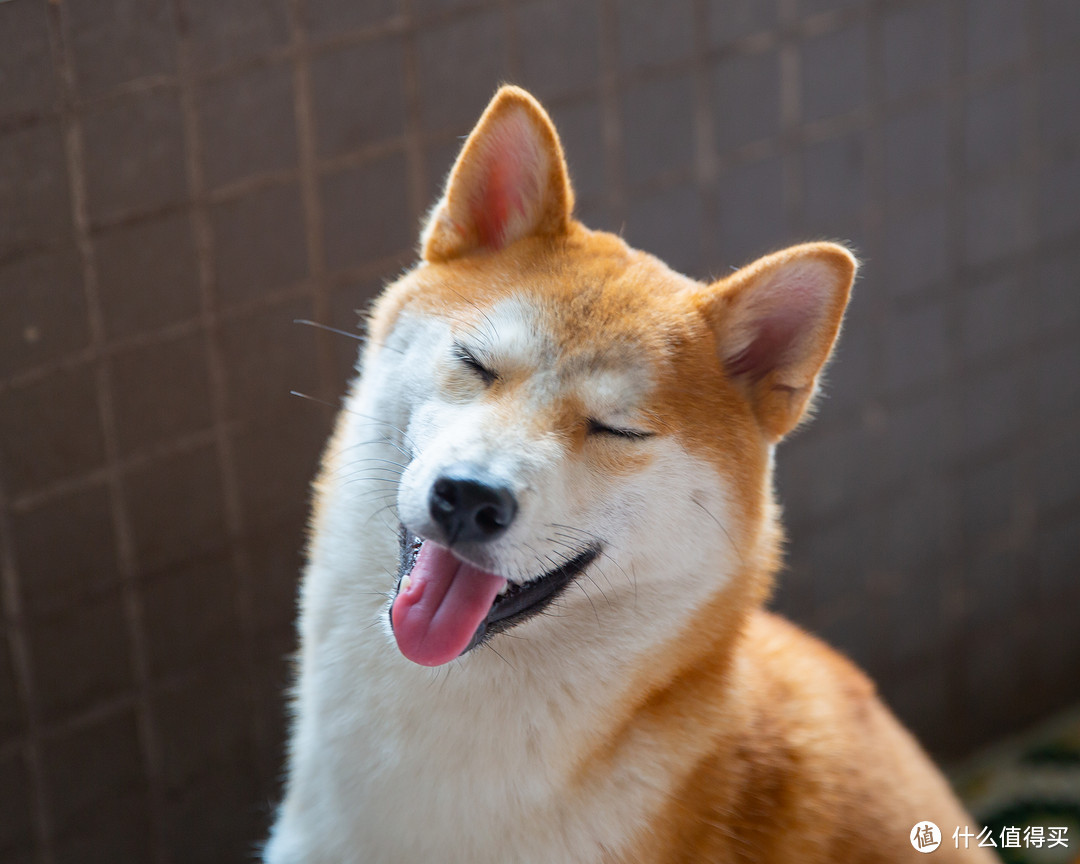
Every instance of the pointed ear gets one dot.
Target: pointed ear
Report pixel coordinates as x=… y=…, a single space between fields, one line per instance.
x=775 y=322
x=509 y=182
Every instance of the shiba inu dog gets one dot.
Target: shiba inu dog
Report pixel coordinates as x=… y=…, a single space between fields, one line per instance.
x=543 y=534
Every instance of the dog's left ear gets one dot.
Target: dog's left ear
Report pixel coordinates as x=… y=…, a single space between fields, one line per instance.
x=509 y=182
x=776 y=321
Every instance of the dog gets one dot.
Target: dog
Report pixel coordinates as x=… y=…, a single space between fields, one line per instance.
x=543 y=534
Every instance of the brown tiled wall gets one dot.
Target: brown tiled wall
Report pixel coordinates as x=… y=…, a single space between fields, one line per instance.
x=181 y=179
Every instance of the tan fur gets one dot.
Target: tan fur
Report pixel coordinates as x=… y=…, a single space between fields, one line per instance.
x=780 y=749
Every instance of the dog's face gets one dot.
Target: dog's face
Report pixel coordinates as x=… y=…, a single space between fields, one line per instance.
x=574 y=415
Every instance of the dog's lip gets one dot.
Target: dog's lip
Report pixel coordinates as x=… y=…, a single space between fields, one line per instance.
x=519 y=601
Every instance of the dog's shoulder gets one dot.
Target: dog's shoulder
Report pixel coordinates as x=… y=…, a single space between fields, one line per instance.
x=812 y=766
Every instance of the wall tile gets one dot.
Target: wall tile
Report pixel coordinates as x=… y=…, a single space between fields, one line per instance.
x=240 y=30
x=277 y=560
x=357 y=232
x=995 y=317
x=812 y=7
x=437 y=7
x=176 y=508
x=994 y=221
x=26 y=74
x=65 y=548
x=16 y=835
x=1057 y=384
x=273 y=491
x=752 y=218
x=1059 y=186
x=247 y=124
x=116 y=829
x=1060 y=21
x=573 y=26
x=80 y=655
x=654 y=32
x=118 y=41
x=658 y=129
x=148 y=129
x=329 y=18
x=1055 y=289
x=916 y=257
x=834 y=177
x=581 y=132
x=220 y=817
x=348 y=115
x=45 y=311
x=11 y=707
x=991 y=411
x=35 y=209
x=916 y=346
x=995 y=33
x=265 y=356
x=39 y=443
x=834 y=79
x=916 y=154
x=915 y=50
x=260 y=244
x=988 y=496
x=461 y=64
x=1057 y=473
x=93 y=763
x=149 y=415
x=1059 y=122
x=205 y=725
x=732 y=19
x=992 y=129
x=191 y=614
x=917 y=438
x=746 y=99
x=148 y=275
x=653 y=223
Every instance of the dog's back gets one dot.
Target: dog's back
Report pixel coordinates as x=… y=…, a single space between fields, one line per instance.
x=805 y=764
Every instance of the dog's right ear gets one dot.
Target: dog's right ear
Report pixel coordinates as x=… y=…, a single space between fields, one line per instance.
x=775 y=322
x=509 y=182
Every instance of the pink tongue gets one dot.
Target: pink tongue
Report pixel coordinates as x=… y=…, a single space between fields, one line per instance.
x=436 y=616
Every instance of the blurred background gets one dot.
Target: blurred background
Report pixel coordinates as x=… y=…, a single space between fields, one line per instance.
x=181 y=179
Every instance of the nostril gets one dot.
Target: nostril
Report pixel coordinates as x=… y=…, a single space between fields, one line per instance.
x=490 y=519
x=470 y=508
x=444 y=494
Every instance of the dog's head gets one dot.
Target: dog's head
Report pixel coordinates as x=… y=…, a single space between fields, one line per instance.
x=577 y=423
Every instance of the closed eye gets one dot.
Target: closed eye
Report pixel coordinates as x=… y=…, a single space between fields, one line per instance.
x=468 y=359
x=595 y=427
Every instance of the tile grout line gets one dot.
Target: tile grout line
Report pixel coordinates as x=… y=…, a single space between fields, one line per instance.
x=226 y=458
x=791 y=111
x=414 y=123
x=706 y=163
x=952 y=557
x=611 y=113
x=307 y=157
x=871 y=220
x=19 y=647
x=126 y=548
x=1027 y=519
x=752 y=152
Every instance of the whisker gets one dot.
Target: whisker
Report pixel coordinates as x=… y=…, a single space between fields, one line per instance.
x=359 y=337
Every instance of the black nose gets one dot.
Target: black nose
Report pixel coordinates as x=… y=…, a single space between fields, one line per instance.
x=469 y=507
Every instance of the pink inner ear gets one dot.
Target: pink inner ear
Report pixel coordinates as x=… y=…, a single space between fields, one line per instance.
x=769 y=348
x=781 y=315
x=509 y=191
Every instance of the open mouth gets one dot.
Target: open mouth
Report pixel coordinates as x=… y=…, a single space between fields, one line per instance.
x=444 y=607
